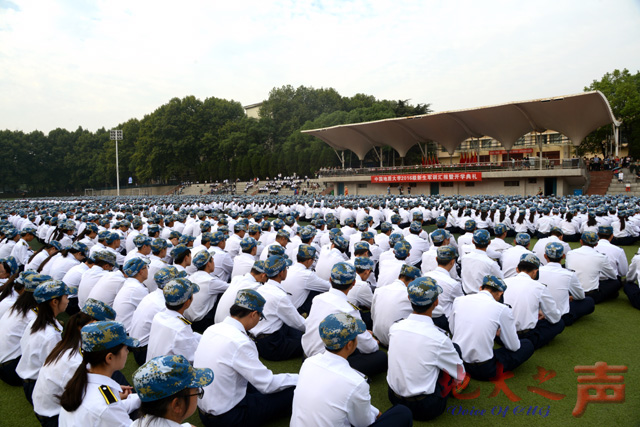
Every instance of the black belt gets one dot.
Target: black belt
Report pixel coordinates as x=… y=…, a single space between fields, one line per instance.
x=524 y=331
x=28 y=381
x=478 y=363
x=7 y=362
x=417 y=398
x=261 y=336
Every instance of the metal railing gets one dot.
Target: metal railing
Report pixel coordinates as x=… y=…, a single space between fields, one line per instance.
x=518 y=165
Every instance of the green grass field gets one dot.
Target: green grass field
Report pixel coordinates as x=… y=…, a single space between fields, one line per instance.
x=608 y=335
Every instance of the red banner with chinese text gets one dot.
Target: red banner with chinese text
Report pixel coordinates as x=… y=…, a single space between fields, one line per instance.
x=428 y=177
x=518 y=150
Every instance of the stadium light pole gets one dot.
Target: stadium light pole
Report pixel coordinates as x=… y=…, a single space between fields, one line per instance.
x=116 y=135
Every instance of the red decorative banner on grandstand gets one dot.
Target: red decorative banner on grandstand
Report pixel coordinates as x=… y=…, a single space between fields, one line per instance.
x=428 y=177
x=516 y=151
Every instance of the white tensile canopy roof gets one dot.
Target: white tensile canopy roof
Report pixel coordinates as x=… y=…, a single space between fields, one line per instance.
x=574 y=116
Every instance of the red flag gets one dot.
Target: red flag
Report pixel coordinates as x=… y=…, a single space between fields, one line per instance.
x=475 y=157
x=462 y=158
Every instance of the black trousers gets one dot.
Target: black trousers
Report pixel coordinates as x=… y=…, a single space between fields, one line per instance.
x=306 y=305
x=427 y=406
x=633 y=293
x=140 y=354
x=28 y=386
x=543 y=333
x=370 y=363
x=577 y=309
x=48 y=421
x=201 y=325
x=396 y=416
x=284 y=344
x=510 y=360
x=8 y=373
x=254 y=409
x=72 y=307
x=441 y=322
x=607 y=289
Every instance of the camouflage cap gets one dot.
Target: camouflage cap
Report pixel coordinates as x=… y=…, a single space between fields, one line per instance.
x=395 y=238
x=554 y=250
x=29 y=230
x=134 y=266
x=283 y=233
x=52 y=289
x=415 y=227
x=367 y=235
x=481 y=237
x=80 y=247
x=446 y=253
x=174 y=235
x=494 y=282
x=206 y=237
x=336 y=330
x=363 y=225
x=239 y=226
x=179 y=250
x=153 y=229
x=423 y=291
x=253 y=228
x=557 y=230
x=522 y=239
x=105 y=256
x=104 y=335
x=499 y=229
x=605 y=230
x=439 y=236
x=343 y=273
x=530 y=258
x=469 y=225
x=164 y=376
x=589 y=238
x=201 y=259
x=248 y=243
x=141 y=240
x=276 y=249
x=164 y=275
x=103 y=235
x=385 y=226
x=410 y=271
x=185 y=239
x=306 y=252
x=361 y=246
x=157 y=245
x=98 y=310
x=275 y=264
x=341 y=243
x=258 y=266
x=250 y=299
x=441 y=222
x=218 y=237
x=205 y=226
x=307 y=233
x=112 y=237
x=401 y=249
x=363 y=263
x=178 y=291
x=12 y=263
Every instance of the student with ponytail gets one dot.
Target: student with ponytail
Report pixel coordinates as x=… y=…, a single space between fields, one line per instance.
x=63 y=361
x=91 y=397
x=169 y=388
x=14 y=323
x=9 y=289
x=38 y=257
x=43 y=333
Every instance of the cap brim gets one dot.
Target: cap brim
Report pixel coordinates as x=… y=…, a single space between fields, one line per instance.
x=72 y=290
x=202 y=377
x=361 y=327
x=288 y=262
x=131 y=342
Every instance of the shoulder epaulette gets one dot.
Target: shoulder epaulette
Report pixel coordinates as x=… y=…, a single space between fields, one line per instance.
x=184 y=320
x=108 y=394
x=355 y=306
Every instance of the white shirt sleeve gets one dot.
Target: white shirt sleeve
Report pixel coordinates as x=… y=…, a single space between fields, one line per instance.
x=247 y=363
x=360 y=410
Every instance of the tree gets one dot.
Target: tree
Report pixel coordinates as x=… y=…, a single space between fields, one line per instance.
x=622 y=90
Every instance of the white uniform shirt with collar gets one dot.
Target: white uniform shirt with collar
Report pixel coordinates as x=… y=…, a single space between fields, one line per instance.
x=61 y=265
x=22 y=252
x=389 y=271
x=226 y=349
x=327 y=260
x=474 y=321
x=171 y=334
x=8 y=302
x=228 y=297
x=451 y=289
x=35 y=348
x=526 y=298
x=119 y=257
x=155 y=265
x=331 y=393
x=300 y=281
x=332 y=302
x=210 y=290
x=278 y=309
x=632 y=275
x=74 y=275
x=14 y=326
x=265 y=253
x=108 y=287
x=242 y=264
x=414 y=373
x=127 y=300
x=382 y=240
x=95 y=409
x=465 y=239
x=616 y=255
x=150 y=305
x=36 y=261
x=561 y=283
x=511 y=259
x=96 y=248
x=233 y=245
x=475 y=265
x=88 y=282
x=418 y=247
x=151 y=421
x=589 y=266
x=390 y=304
x=498 y=245
x=361 y=294
x=129 y=245
x=539 y=247
x=223 y=263
x=6 y=249
x=52 y=379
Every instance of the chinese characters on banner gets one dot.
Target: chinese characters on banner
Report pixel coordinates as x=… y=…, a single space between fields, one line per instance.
x=428 y=177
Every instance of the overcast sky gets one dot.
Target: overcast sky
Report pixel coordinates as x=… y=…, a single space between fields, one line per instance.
x=70 y=63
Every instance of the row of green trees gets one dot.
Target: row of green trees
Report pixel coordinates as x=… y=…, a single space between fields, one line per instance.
x=191 y=139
